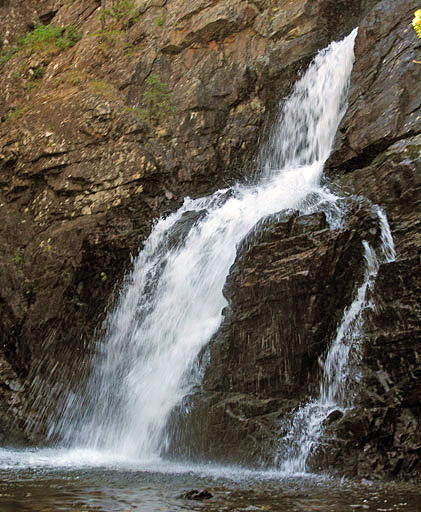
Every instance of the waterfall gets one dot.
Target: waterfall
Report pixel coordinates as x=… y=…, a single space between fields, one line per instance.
x=172 y=302
x=339 y=374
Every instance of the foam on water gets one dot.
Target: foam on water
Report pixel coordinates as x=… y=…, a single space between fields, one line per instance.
x=83 y=459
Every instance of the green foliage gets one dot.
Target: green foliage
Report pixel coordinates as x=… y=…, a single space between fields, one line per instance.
x=44 y=38
x=416 y=22
x=18 y=256
x=15 y=113
x=71 y=36
x=46 y=246
x=71 y=77
x=49 y=38
x=102 y=87
x=15 y=75
x=41 y=38
x=110 y=37
x=139 y=112
x=159 y=21
x=155 y=104
x=39 y=72
x=6 y=54
x=121 y=10
x=103 y=276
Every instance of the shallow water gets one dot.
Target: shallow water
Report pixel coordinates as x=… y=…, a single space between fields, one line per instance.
x=78 y=480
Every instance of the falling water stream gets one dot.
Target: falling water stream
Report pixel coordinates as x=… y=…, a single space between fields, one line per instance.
x=172 y=303
x=112 y=438
x=339 y=371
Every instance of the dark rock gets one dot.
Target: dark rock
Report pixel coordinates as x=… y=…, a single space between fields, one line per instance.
x=287 y=291
x=384 y=102
x=333 y=417
x=194 y=494
x=379 y=150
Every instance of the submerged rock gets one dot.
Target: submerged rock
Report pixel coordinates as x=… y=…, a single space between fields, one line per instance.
x=195 y=494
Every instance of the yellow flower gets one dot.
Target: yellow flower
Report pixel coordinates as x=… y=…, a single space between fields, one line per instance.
x=416 y=22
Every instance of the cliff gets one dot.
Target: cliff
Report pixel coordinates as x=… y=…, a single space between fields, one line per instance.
x=289 y=287
x=109 y=124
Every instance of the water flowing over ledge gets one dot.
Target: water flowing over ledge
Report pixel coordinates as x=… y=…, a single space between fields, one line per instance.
x=172 y=303
x=340 y=369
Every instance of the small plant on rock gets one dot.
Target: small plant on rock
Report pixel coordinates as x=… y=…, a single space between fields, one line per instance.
x=15 y=113
x=121 y=10
x=39 y=72
x=155 y=104
x=7 y=53
x=18 y=256
x=71 y=36
x=48 y=38
x=41 y=38
x=160 y=20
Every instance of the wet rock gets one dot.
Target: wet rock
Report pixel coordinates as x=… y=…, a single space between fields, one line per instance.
x=195 y=494
x=333 y=417
x=384 y=103
x=183 y=226
x=378 y=156
x=287 y=291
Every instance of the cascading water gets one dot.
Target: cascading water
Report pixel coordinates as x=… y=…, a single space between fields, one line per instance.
x=172 y=302
x=339 y=375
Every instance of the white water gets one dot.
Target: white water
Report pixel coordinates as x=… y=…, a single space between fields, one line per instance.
x=339 y=369
x=172 y=302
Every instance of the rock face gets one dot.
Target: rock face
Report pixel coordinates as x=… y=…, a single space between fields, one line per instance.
x=290 y=285
x=287 y=292
x=156 y=101
x=163 y=99
x=379 y=153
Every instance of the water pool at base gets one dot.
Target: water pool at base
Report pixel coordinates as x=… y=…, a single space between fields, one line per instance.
x=48 y=480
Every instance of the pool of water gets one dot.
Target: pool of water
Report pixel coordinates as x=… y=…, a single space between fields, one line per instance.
x=84 y=481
